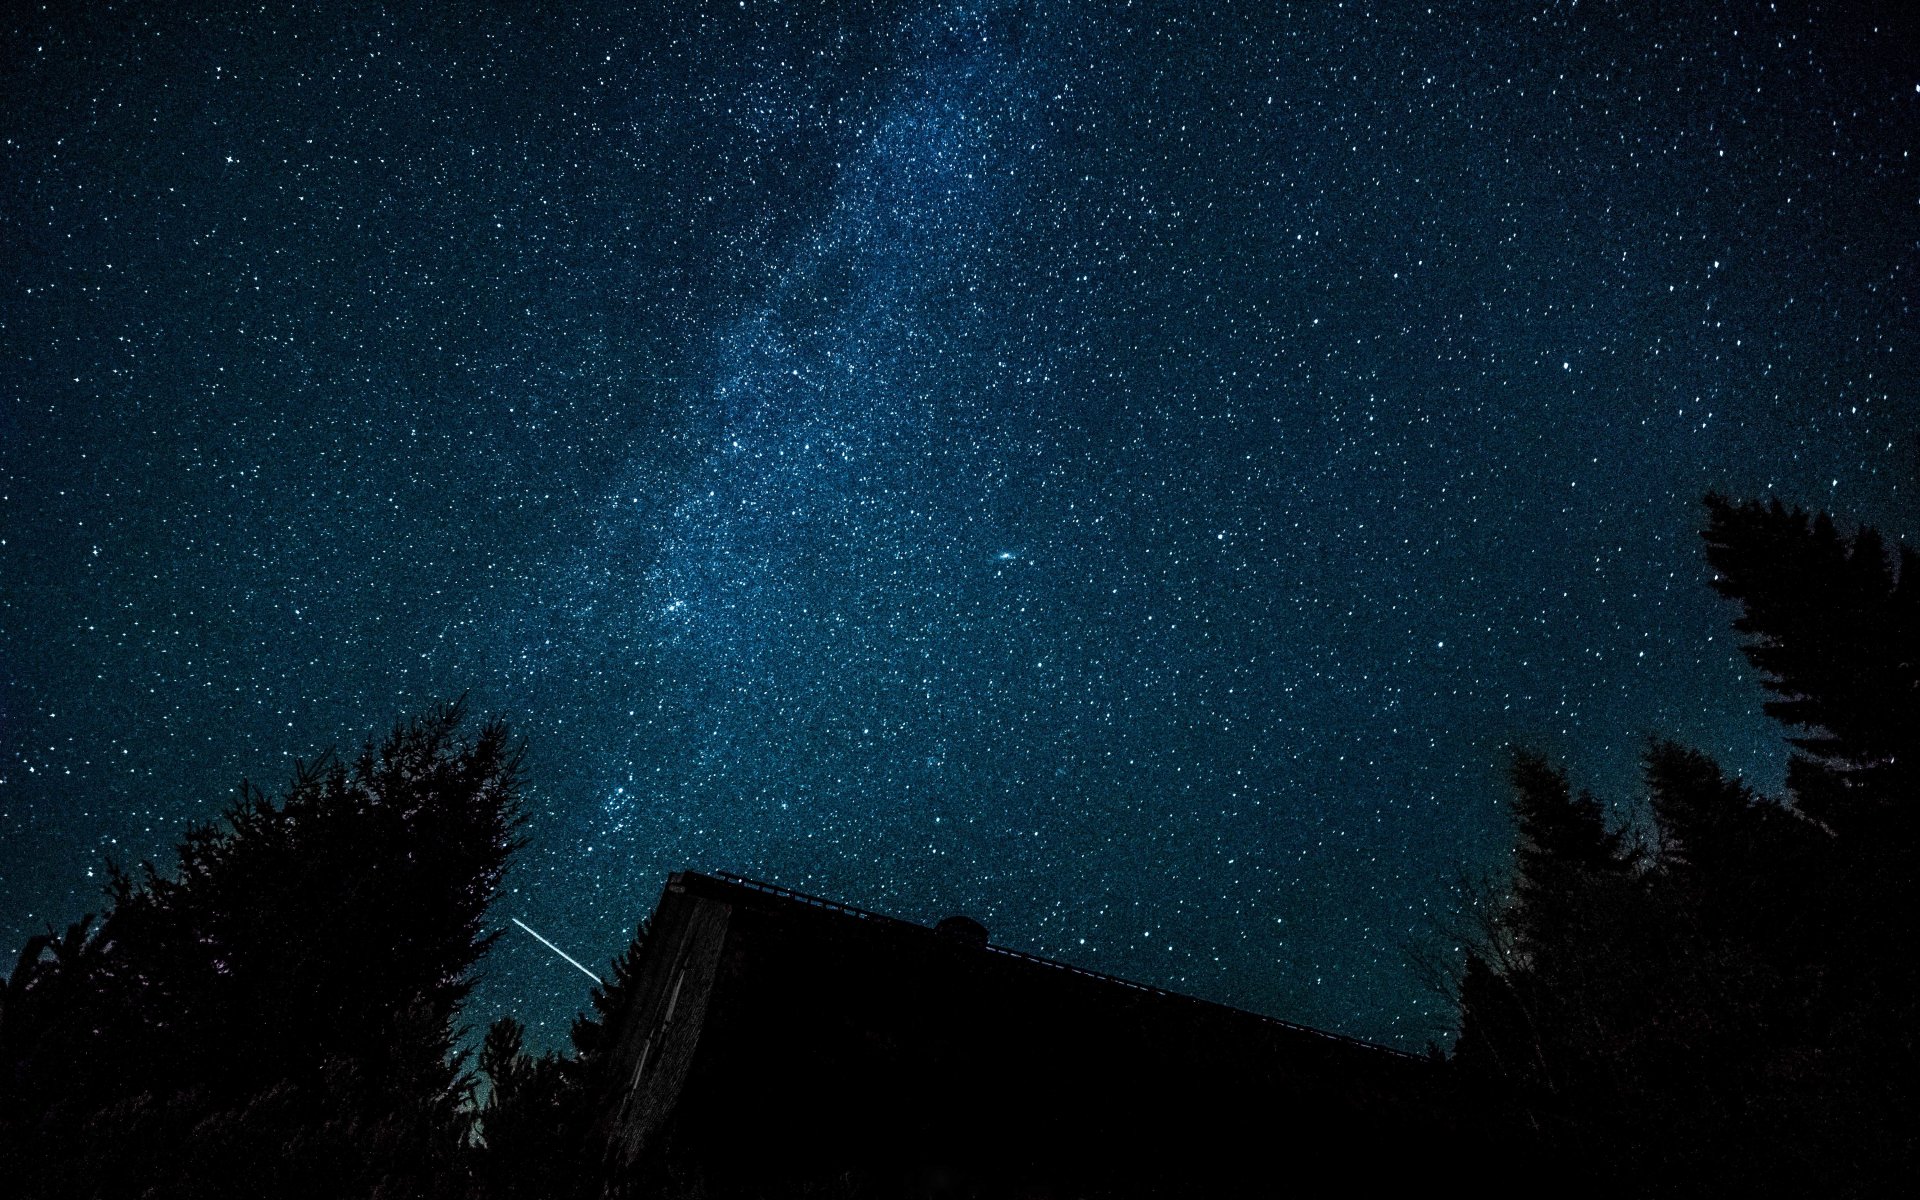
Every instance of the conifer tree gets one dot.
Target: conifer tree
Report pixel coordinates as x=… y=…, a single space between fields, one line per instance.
x=1549 y=1022
x=1732 y=1012
x=592 y=1032
x=1835 y=634
x=537 y=1129
x=1834 y=630
x=530 y=1125
x=1567 y=861
x=277 y=1014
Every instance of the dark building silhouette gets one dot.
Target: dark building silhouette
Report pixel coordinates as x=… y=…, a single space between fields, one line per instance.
x=776 y=1043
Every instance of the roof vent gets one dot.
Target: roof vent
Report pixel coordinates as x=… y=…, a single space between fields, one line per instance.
x=964 y=930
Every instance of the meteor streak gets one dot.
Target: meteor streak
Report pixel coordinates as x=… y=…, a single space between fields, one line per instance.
x=557 y=950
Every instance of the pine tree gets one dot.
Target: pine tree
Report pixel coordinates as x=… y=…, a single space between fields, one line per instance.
x=1549 y=1022
x=1835 y=634
x=1733 y=1011
x=592 y=1032
x=278 y=1013
x=537 y=1129
x=530 y=1124
x=1834 y=630
x=1567 y=862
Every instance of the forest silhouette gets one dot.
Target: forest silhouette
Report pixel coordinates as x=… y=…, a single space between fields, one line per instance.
x=1707 y=998
x=1712 y=998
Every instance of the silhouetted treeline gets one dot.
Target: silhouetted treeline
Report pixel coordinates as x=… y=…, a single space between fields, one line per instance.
x=1715 y=999
x=1719 y=999
x=277 y=1015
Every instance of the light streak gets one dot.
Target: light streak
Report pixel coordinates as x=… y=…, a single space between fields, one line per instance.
x=557 y=950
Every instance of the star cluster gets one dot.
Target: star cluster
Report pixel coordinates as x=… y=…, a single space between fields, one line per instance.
x=1122 y=471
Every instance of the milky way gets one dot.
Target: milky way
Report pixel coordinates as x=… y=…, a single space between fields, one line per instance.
x=1124 y=472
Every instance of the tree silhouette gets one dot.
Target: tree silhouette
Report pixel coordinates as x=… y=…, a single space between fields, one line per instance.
x=537 y=1126
x=1550 y=1023
x=1834 y=630
x=1730 y=1006
x=590 y=1032
x=1833 y=627
x=277 y=1014
x=531 y=1122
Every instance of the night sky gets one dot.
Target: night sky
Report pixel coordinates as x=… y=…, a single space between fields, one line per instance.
x=1124 y=472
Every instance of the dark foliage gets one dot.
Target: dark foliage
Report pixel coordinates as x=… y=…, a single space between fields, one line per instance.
x=1835 y=632
x=1718 y=1000
x=591 y=1032
x=277 y=1015
x=531 y=1121
x=1730 y=1008
x=537 y=1126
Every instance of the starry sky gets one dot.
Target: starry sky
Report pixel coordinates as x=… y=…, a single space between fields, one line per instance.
x=1123 y=471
